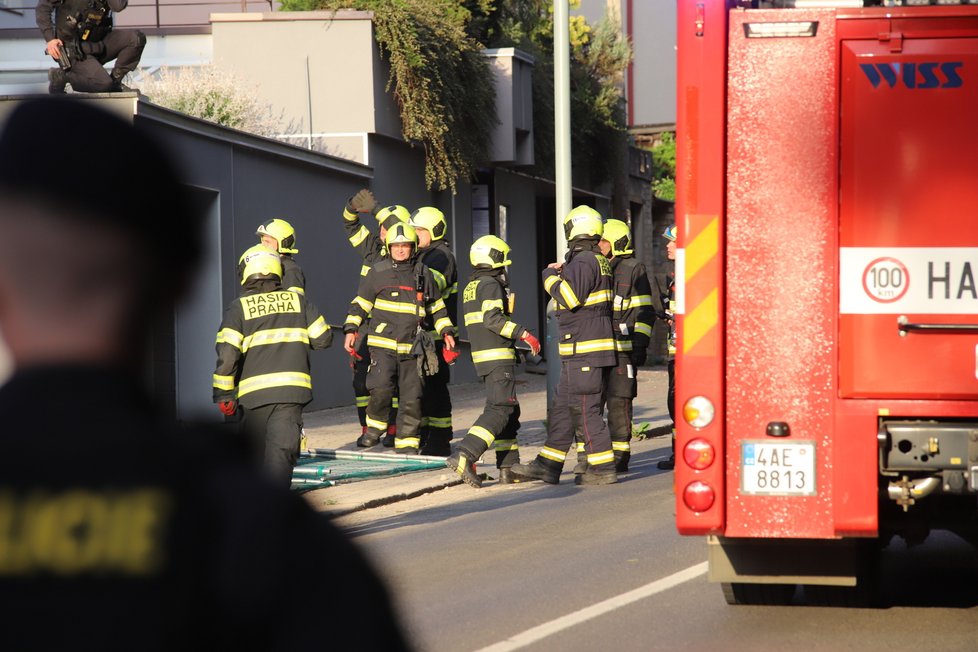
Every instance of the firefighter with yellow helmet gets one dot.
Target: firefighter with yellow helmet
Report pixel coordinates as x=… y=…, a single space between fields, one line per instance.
x=263 y=359
x=581 y=286
x=279 y=235
x=371 y=249
x=434 y=252
x=492 y=333
x=392 y=301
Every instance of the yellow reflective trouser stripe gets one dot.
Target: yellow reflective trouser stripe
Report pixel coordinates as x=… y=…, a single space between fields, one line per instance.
x=359 y=236
x=489 y=304
x=553 y=454
x=274 y=336
x=486 y=355
x=364 y=269
x=482 y=434
x=407 y=442
x=507 y=329
x=230 y=336
x=318 y=327
x=362 y=401
x=601 y=458
x=354 y=319
x=375 y=424
x=587 y=346
x=363 y=303
x=599 y=297
x=569 y=297
x=506 y=445
x=623 y=345
x=223 y=382
x=394 y=402
x=389 y=344
x=473 y=318
x=281 y=379
x=443 y=324
x=580 y=447
x=397 y=306
x=644 y=329
x=440 y=422
x=621 y=446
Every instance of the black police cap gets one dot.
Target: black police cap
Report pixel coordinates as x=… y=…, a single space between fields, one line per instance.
x=69 y=153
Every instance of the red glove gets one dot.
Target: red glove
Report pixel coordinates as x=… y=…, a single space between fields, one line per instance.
x=228 y=408
x=531 y=341
x=450 y=355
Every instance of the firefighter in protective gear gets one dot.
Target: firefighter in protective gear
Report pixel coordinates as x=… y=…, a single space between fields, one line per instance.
x=263 y=359
x=436 y=424
x=669 y=309
x=632 y=317
x=371 y=249
x=582 y=289
x=279 y=235
x=487 y=312
x=392 y=302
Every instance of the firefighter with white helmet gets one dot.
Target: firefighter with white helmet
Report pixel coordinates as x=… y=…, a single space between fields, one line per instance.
x=263 y=359
x=582 y=289
x=492 y=333
x=280 y=236
x=436 y=423
x=392 y=301
x=371 y=249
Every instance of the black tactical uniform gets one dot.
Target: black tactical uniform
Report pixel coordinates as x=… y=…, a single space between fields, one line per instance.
x=632 y=318
x=583 y=293
x=392 y=302
x=85 y=27
x=263 y=362
x=371 y=249
x=122 y=532
x=436 y=422
x=491 y=335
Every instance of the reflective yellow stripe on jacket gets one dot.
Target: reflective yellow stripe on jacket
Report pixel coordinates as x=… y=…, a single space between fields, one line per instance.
x=275 y=336
x=225 y=383
x=230 y=336
x=359 y=236
x=280 y=379
x=403 y=348
x=586 y=346
x=487 y=355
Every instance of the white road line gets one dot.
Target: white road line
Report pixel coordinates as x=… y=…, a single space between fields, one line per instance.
x=566 y=622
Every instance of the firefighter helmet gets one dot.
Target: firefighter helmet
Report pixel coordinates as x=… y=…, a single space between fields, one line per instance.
x=670 y=233
x=391 y=215
x=283 y=233
x=401 y=233
x=259 y=261
x=430 y=218
x=489 y=252
x=619 y=236
x=582 y=222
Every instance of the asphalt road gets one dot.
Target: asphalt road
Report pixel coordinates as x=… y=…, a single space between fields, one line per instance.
x=547 y=568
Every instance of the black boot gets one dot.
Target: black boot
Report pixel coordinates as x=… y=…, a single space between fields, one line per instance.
x=57 y=80
x=621 y=461
x=667 y=465
x=465 y=467
x=390 y=437
x=535 y=470
x=508 y=476
x=581 y=465
x=594 y=475
x=368 y=439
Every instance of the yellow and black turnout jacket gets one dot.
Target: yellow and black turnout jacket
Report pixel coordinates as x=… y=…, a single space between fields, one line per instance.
x=487 y=320
x=263 y=347
x=631 y=312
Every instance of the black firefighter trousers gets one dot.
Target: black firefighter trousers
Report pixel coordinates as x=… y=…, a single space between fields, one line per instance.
x=499 y=421
x=276 y=428
x=390 y=373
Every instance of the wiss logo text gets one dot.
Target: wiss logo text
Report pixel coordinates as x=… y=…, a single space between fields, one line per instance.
x=914 y=75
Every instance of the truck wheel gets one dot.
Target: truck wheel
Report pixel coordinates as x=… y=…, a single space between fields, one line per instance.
x=758 y=594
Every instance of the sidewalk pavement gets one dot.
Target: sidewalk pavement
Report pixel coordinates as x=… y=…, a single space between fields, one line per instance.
x=338 y=429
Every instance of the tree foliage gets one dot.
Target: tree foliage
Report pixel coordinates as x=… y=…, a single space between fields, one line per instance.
x=664 y=167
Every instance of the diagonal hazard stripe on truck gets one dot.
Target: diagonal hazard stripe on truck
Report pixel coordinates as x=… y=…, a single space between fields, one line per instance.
x=702 y=277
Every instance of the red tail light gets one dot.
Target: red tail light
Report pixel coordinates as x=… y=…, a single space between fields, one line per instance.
x=699 y=454
x=698 y=496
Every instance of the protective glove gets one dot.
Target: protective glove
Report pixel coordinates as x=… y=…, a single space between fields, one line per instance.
x=638 y=357
x=450 y=355
x=531 y=341
x=228 y=408
x=362 y=202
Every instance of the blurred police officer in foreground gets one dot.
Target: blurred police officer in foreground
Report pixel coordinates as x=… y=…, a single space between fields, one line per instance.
x=117 y=530
x=81 y=40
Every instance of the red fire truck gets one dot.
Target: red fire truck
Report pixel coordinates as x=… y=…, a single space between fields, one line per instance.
x=827 y=287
